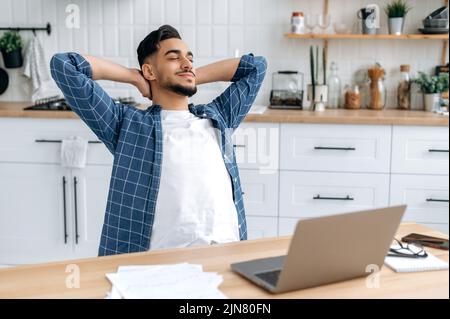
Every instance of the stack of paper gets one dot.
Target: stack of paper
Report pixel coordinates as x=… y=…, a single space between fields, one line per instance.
x=404 y=264
x=177 y=281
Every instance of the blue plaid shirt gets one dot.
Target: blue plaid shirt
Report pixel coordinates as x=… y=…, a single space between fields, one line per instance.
x=134 y=137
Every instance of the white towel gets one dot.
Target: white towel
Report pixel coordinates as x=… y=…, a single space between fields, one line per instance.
x=74 y=152
x=37 y=69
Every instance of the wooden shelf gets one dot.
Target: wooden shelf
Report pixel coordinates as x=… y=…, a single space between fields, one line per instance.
x=369 y=36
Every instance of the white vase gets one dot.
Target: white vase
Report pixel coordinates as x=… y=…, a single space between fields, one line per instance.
x=396 y=25
x=431 y=102
x=321 y=97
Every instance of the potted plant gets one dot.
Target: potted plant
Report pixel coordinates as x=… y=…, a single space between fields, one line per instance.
x=396 y=12
x=432 y=87
x=11 y=47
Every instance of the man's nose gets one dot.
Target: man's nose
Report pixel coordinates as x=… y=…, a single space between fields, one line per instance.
x=186 y=65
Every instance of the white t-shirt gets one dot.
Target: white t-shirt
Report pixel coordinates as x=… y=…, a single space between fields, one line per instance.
x=195 y=201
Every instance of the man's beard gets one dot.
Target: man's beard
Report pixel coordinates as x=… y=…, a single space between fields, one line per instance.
x=182 y=90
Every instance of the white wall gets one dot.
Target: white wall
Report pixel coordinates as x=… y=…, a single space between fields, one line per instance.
x=214 y=29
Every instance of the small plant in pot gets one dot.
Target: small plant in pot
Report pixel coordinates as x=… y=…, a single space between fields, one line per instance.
x=396 y=12
x=11 y=47
x=432 y=87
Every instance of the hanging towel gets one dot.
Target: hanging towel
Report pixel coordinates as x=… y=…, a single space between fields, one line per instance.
x=37 y=69
x=74 y=152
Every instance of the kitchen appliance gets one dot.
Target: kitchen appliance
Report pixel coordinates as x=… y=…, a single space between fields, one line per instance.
x=370 y=16
x=57 y=103
x=287 y=90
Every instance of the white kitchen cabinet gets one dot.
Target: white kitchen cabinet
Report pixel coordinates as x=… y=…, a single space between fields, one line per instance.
x=427 y=197
x=420 y=150
x=42 y=210
x=342 y=148
x=260 y=192
x=32 y=223
x=261 y=227
x=90 y=186
x=257 y=146
x=313 y=194
x=48 y=213
x=39 y=141
x=286 y=226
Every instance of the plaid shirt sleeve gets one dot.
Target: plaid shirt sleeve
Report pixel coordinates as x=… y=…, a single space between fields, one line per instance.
x=235 y=102
x=73 y=75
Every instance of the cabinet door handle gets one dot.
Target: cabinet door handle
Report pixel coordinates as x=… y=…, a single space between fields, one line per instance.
x=437 y=151
x=65 y=209
x=60 y=141
x=437 y=200
x=333 y=198
x=75 y=182
x=335 y=148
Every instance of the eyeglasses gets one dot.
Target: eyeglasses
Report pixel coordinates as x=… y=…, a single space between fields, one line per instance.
x=399 y=249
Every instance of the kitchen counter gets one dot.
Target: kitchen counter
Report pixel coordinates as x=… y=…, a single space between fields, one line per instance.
x=48 y=280
x=339 y=116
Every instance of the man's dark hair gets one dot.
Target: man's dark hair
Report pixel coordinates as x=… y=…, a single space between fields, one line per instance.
x=150 y=44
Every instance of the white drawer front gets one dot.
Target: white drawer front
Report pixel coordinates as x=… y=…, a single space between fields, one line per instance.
x=261 y=227
x=426 y=196
x=305 y=194
x=420 y=150
x=257 y=145
x=260 y=192
x=348 y=148
x=38 y=141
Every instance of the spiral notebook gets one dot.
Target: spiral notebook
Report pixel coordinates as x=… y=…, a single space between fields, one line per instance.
x=401 y=264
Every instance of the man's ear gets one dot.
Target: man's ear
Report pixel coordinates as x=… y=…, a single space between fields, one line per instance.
x=148 y=72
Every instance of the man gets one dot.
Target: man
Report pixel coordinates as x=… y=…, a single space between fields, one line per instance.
x=174 y=182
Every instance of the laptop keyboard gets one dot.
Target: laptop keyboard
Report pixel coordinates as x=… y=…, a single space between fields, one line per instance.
x=270 y=276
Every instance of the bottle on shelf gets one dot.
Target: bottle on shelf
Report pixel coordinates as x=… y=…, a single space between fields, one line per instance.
x=404 y=88
x=334 y=87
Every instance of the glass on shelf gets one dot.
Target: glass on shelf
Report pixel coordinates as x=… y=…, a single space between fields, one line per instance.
x=310 y=22
x=324 y=22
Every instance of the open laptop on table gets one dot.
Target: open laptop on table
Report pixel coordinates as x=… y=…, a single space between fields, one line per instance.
x=327 y=249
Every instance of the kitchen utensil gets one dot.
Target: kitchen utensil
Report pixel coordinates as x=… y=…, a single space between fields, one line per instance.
x=435 y=23
x=441 y=13
x=434 y=30
x=4 y=81
x=341 y=28
x=370 y=16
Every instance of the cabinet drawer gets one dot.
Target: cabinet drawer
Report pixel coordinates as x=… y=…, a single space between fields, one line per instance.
x=348 y=148
x=312 y=194
x=260 y=192
x=420 y=150
x=426 y=196
x=257 y=145
x=261 y=227
x=37 y=141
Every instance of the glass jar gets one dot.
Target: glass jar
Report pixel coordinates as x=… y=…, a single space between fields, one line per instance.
x=404 y=89
x=352 y=98
x=297 y=23
x=377 y=89
x=334 y=87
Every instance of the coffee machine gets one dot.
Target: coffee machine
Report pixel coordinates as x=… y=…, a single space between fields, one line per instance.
x=287 y=90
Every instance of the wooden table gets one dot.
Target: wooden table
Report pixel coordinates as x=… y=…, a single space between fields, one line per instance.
x=49 y=280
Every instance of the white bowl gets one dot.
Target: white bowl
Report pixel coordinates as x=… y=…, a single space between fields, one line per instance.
x=341 y=28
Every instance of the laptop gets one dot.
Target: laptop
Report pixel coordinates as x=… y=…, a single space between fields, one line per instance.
x=328 y=249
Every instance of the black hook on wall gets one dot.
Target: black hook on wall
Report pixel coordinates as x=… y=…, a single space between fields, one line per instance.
x=47 y=28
